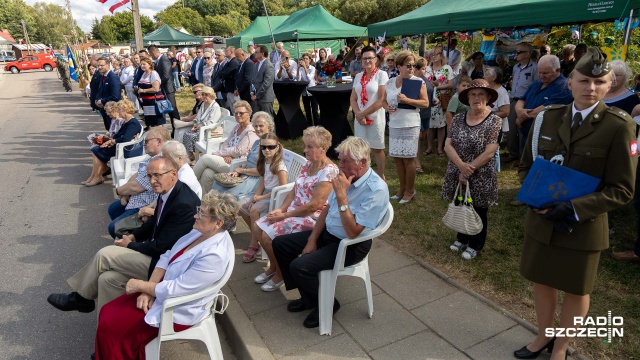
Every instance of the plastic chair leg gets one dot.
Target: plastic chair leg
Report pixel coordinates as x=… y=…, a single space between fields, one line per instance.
x=326 y=294
x=152 y=350
x=211 y=339
x=367 y=285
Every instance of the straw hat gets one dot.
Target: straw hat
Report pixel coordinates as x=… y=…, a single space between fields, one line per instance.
x=475 y=84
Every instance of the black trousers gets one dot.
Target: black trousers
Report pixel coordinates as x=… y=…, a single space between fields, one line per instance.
x=302 y=272
x=476 y=242
x=636 y=203
x=105 y=119
x=175 y=114
x=310 y=109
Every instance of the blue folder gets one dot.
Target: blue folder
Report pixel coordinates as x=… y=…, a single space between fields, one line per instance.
x=548 y=182
x=411 y=89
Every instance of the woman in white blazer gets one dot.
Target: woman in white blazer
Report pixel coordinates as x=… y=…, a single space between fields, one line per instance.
x=199 y=259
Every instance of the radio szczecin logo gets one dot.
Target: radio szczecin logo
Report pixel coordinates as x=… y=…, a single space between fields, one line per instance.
x=606 y=327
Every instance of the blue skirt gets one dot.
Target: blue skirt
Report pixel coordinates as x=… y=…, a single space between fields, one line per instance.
x=104 y=154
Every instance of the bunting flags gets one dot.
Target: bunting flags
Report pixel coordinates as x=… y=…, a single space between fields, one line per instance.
x=116 y=5
x=72 y=65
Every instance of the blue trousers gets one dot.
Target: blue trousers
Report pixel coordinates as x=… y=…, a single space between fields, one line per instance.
x=116 y=212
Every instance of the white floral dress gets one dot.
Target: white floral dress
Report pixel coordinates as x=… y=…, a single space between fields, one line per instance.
x=304 y=188
x=442 y=75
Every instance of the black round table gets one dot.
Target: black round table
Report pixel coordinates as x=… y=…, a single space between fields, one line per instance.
x=290 y=120
x=334 y=108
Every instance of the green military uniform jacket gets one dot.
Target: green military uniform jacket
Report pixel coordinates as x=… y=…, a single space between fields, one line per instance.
x=604 y=146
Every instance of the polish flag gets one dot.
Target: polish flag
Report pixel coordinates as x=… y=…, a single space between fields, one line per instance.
x=116 y=5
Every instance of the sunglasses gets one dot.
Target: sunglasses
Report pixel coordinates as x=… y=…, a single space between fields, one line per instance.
x=518 y=52
x=391 y=60
x=207 y=57
x=368 y=58
x=268 y=147
x=411 y=66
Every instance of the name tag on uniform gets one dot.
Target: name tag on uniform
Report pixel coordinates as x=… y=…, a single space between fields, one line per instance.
x=546 y=137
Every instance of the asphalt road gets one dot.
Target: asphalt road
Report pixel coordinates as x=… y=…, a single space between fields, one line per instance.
x=50 y=225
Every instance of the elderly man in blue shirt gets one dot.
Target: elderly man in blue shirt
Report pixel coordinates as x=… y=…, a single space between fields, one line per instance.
x=550 y=88
x=358 y=201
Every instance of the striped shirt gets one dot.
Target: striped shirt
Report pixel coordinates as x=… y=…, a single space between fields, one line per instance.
x=147 y=196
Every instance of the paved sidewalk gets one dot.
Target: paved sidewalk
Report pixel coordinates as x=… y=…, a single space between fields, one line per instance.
x=417 y=315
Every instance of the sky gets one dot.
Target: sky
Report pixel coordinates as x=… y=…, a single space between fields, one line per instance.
x=84 y=11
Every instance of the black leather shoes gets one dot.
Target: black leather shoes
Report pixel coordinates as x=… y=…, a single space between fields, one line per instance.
x=313 y=319
x=71 y=302
x=525 y=353
x=296 y=306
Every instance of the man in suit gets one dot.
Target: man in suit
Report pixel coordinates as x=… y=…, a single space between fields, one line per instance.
x=163 y=68
x=134 y=256
x=229 y=76
x=109 y=90
x=94 y=85
x=197 y=68
x=244 y=76
x=563 y=239
x=216 y=78
x=263 y=82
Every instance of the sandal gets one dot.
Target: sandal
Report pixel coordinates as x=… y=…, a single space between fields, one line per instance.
x=419 y=170
x=250 y=255
x=427 y=152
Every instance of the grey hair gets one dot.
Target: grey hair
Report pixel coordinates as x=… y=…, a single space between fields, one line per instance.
x=550 y=60
x=223 y=207
x=279 y=44
x=219 y=52
x=568 y=49
x=357 y=148
x=266 y=117
x=503 y=56
x=525 y=45
x=621 y=67
x=174 y=150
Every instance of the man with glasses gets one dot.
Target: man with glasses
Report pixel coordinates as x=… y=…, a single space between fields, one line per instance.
x=134 y=256
x=109 y=90
x=286 y=69
x=216 y=78
x=137 y=193
x=525 y=72
x=197 y=67
x=356 y=65
x=263 y=82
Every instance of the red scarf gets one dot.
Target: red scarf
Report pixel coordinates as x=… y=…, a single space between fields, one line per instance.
x=364 y=98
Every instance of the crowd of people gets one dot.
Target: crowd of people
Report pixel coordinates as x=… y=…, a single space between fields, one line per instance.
x=462 y=108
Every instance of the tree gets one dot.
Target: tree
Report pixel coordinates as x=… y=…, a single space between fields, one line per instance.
x=11 y=12
x=52 y=23
x=274 y=7
x=228 y=24
x=213 y=8
x=118 y=28
x=183 y=17
x=365 y=12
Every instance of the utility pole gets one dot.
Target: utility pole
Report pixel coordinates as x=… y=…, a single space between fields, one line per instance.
x=137 y=26
x=26 y=36
x=73 y=23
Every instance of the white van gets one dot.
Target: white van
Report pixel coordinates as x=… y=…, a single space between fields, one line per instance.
x=7 y=55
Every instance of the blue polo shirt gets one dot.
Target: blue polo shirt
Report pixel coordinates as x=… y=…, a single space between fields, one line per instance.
x=557 y=92
x=368 y=198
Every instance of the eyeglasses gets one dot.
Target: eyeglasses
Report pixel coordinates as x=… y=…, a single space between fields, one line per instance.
x=368 y=58
x=268 y=147
x=518 y=52
x=197 y=91
x=207 y=57
x=158 y=176
x=240 y=113
x=201 y=214
x=410 y=66
x=146 y=141
x=198 y=52
x=391 y=60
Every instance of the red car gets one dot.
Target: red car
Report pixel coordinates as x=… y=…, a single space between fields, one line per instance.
x=31 y=62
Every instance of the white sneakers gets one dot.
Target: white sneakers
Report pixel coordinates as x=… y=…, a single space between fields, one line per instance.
x=467 y=252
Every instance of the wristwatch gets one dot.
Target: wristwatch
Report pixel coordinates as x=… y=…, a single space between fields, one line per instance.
x=344 y=208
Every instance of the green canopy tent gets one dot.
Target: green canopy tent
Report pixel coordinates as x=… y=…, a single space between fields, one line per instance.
x=313 y=23
x=258 y=27
x=165 y=36
x=447 y=15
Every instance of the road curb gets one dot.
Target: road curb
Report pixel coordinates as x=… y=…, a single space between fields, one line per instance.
x=522 y=322
x=242 y=336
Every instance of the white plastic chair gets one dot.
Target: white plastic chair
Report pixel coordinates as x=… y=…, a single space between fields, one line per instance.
x=206 y=144
x=131 y=166
x=328 y=278
x=117 y=163
x=204 y=331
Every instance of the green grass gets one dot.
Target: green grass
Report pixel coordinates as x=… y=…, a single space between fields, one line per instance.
x=418 y=230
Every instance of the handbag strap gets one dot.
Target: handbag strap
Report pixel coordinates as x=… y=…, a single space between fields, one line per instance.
x=467 y=196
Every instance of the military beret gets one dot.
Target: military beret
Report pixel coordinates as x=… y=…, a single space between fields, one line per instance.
x=593 y=63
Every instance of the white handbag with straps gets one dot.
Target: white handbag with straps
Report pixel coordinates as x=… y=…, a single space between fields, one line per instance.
x=462 y=217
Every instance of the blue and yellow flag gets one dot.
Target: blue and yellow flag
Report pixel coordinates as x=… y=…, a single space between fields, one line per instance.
x=72 y=65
